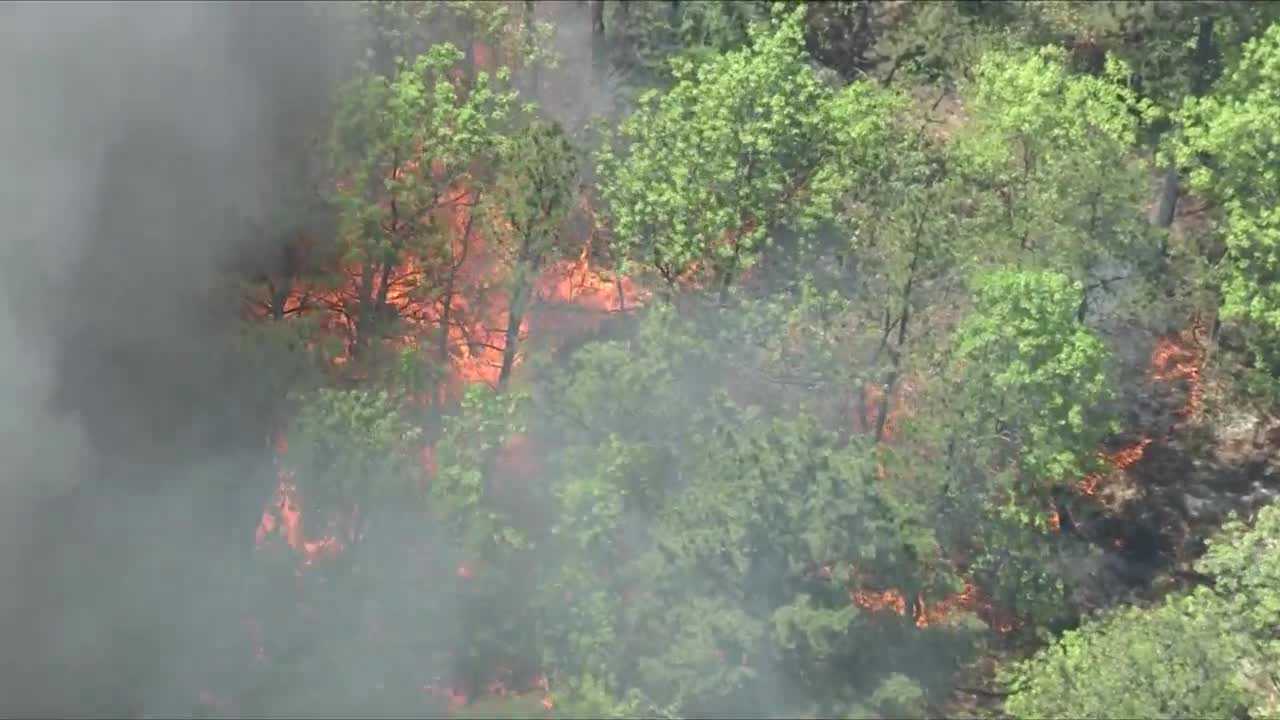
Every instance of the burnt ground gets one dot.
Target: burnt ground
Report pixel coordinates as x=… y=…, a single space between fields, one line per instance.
x=1146 y=524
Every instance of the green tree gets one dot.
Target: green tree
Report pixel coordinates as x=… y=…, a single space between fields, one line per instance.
x=1229 y=139
x=1036 y=380
x=763 y=527
x=745 y=144
x=351 y=449
x=1208 y=653
x=532 y=196
x=404 y=146
x=1053 y=153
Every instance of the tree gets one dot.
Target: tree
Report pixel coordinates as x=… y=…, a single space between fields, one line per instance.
x=752 y=531
x=533 y=196
x=491 y=34
x=1229 y=142
x=1053 y=152
x=1207 y=653
x=743 y=145
x=350 y=451
x=1036 y=380
x=406 y=147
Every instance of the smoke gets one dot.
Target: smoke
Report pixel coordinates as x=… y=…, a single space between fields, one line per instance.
x=148 y=151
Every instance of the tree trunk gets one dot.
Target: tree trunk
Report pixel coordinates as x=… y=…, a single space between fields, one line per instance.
x=1204 y=57
x=891 y=383
x=598 y=51
x=515 y=316
x=535 y=77
x=364 y=310
x=446 y=312
x=1167 y=203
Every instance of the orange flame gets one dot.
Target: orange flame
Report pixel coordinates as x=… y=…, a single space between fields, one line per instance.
x=1180 y=358
x=874 y=601
x=460 y=294
x=926 y=614
x=1176 y=357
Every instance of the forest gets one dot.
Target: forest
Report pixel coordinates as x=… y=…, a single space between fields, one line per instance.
x=662 y=359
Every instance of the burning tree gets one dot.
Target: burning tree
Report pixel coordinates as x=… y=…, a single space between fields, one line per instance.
x=410 y=154
x=533 y=197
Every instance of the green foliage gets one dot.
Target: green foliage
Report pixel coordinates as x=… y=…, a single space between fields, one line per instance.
x=1230 y=141
x=1052 y=149
x=1036 y=376
x=1244 y=561
x=389 y=130
x=1166 y=662
x=745 y=144
x=533 y=196
x=351 y=447
x=401 y=146
x=408 y=28
x=748 y=512
x=711 y=510
x=535 y=190
x=1208 y=653
x=460 y=494
x=646 y=35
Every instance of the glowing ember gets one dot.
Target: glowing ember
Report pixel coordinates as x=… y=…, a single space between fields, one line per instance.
x=1175 y=358
x=868 y=405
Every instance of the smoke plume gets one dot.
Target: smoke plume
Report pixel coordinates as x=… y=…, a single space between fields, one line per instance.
x=148 y=151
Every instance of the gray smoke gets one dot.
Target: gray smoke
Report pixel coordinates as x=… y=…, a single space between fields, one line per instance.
x=149 y=150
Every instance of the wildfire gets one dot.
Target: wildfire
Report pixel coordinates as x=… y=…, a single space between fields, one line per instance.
x=456 y=290
x=930 y=614
x=926 y=614
x=1120 y=460
x=1175 y=358
x=498 y=687
x=1180 y=358
x=872 y=396
x=874 y=601
x=283 y=515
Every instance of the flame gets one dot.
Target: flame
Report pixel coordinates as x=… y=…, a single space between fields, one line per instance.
x=926 y=614
x=1176 y=357
x=459 y=293
x=899 y=407
x=283 y=516
x=499 y=686
x=1119 y=461
x=939 y=611
x=1180 y=357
